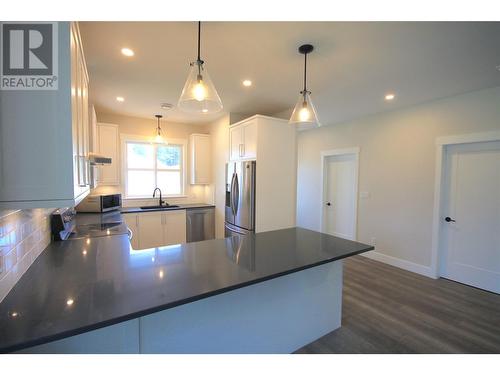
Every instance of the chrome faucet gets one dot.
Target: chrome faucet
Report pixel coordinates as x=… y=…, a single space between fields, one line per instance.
x=154 y=195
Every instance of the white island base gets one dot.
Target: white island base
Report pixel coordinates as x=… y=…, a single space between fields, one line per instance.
x=279 y=315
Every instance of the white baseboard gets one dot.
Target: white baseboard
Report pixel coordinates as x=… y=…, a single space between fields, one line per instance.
x=401 y=263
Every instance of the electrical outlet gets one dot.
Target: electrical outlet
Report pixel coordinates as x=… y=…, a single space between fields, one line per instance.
x=373 y=241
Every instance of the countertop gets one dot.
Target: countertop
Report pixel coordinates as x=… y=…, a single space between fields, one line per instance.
x=80 y=285
x=189 y=206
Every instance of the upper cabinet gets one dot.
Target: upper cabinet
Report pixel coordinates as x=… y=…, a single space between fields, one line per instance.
x=243 y=140
x=44 y=134
x=108 y=145
x=200 y=159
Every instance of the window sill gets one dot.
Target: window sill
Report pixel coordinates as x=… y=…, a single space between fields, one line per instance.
x=150 y=197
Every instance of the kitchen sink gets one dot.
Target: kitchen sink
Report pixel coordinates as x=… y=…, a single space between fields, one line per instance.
x=158 y=207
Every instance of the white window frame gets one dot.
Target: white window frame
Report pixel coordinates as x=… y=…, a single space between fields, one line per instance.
x=125 y=138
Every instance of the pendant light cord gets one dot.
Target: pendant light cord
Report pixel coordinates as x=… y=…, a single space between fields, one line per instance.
x=199 y=37
x=305 y=72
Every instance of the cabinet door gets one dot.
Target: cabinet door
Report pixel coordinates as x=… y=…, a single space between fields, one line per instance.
x=200 y=159
x=236 y=142
x=108 y=146
x=250 y=140
x=132 y=221
x=151 y=230
x=85 y=125
x=74 y=110
x=175 y=227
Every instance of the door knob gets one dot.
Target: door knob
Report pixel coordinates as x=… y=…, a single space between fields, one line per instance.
x=328 y=204
x=449 y=219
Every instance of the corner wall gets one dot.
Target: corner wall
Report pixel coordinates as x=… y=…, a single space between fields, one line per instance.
x=220 y=155
x=397 y=166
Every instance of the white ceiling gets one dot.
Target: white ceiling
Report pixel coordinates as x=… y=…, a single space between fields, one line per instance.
x=354 y=64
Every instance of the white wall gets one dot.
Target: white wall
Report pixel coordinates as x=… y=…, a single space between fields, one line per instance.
x=219 y=131
x=397 y=162
x=146 y=127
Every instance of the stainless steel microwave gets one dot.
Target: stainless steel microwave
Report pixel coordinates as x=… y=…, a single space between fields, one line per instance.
x=100 y=203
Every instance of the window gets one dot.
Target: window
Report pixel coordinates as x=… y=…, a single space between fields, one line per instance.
x=153 y=165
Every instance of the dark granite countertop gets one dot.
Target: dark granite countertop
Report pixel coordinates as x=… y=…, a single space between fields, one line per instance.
x=79 y=285
x=189 y=206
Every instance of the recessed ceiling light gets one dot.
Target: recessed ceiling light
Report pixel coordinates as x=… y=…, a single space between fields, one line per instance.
x=247 y=83
x=204 y=110
x=69 y=302
x=390 y=97
x=127 y=52
x=120 y=99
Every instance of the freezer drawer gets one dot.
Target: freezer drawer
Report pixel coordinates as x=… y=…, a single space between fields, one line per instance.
x=200 y=224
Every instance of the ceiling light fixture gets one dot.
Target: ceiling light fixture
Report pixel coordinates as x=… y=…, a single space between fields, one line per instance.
x=158 y=138
x=304 y=111
x=120 y=99
x=199 y=94
x=127 y=52
x=389 y=97
x=247 y=83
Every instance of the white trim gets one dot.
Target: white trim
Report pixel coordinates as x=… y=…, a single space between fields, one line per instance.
x=340 y=151
x=141 y=138
x=469 y=138
x=401 y=263
x=441 y=143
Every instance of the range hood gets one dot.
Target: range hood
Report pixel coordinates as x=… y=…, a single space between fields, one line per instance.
x=96 y=159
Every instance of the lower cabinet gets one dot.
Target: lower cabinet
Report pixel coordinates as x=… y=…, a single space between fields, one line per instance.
x=174 y=227
x=156 y=229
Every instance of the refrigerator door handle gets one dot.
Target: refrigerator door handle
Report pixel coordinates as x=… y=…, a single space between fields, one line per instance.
x=236 y=194
x=231 y=200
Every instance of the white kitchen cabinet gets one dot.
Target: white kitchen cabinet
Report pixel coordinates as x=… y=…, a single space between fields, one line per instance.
x=200 y=158
x=272 y=143
x=243 y=140
x=44 y=135
x=174 y=228
x=157 y=228
x=151 y=229
x=132 y=222
x=108 y=145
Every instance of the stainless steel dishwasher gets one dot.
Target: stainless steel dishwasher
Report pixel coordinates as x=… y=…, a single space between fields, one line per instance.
x=200 y=224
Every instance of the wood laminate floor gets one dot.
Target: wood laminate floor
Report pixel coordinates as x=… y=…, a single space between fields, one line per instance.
x=389 y=310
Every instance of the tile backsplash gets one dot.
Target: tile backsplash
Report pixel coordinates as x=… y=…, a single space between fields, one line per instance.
x=24 y=234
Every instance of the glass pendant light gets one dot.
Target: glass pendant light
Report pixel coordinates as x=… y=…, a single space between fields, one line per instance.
x=199 y=94
x=304 y=111
x=158 y=138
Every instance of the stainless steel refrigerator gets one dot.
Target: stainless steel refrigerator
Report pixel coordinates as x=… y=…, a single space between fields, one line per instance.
x=240 y=198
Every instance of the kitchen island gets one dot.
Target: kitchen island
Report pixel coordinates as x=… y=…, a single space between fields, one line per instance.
x=270 y=292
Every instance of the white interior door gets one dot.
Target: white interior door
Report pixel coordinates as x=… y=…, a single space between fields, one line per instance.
x=471 y=219
x=339 y=206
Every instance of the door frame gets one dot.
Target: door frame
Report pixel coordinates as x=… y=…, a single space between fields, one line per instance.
x=337 y=152
x=440 y=189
